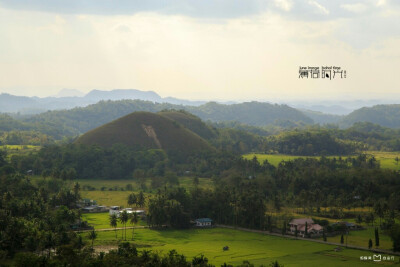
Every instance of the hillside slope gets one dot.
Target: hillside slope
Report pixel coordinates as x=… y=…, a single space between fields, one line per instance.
x=147 y=131
x=384 y=115
x=83 y=119
x=193 y=123
x=251 y=113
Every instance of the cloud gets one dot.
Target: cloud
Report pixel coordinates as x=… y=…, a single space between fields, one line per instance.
x=192 y=8
x=123 y=29
x=356 y=8
x=321 y=9
x=381 y=3
x=285 y=5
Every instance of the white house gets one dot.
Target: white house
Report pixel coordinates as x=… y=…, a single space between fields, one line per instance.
x=117 y=210
x=203 y=222
x=114 y=210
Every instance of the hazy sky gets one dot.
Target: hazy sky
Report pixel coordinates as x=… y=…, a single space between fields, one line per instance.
x=221 y=49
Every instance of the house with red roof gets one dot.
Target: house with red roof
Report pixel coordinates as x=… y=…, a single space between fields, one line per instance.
x=313 y=229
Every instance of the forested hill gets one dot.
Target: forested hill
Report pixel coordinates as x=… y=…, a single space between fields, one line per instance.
x=80 y=120
x=251 y=113
x=384 y=115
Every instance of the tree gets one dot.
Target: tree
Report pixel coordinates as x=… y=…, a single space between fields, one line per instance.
x=306 y=230
x=133 y=219
x=113 y=222
x=370 y=243
x=141 y=200
x=395 y=236
x=296 y=232
x=378 y=208
x=275 y=264
x=324 y=234
x=284 y=228
x=341 y=239
x=77 y=188
x=200 y=261
x=132 y=199
x=376 y=237
x=196 y=181
x=123 y=218
x=92 y=236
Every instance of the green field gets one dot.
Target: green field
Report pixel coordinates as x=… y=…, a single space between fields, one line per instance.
x=386 y=159
x=118 y=196
x=101 y=220
x=257 y=248
x=361 y=237
x=19 y=149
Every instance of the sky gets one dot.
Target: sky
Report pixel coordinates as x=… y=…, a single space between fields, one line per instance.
x=202 y=50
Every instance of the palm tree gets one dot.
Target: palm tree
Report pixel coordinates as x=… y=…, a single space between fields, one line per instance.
x=133 y=220
x=124 y=219
x=77 y=188
x=113 y=222
x=141 y=200
x=92 y=236
x=132 y=199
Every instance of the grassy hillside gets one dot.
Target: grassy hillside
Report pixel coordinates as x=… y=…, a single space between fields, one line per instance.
x=146 y=130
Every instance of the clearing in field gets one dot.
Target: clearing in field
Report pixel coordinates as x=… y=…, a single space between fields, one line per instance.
x=257 y=248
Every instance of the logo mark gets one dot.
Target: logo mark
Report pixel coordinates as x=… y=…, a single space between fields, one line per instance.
x=377 y=257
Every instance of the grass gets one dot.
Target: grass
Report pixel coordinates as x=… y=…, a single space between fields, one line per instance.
x=19 y=149
x=118 y=196
x=257 y=248
x=386 y=159
x=361 y=237
x=101 y=220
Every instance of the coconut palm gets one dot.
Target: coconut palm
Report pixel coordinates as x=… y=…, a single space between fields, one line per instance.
x=92 y=236
x=123 y=218
x=133 y=220
x=113 y=222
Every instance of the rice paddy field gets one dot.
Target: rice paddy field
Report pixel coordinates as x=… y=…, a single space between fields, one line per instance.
x=19 y=149
x=114 y=193
x=360 y=238
x=257 y=248
x=102 y=220
x=386 y=159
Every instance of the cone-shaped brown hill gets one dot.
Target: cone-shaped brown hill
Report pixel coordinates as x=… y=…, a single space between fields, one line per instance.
x=190 y=121
x=146 y=130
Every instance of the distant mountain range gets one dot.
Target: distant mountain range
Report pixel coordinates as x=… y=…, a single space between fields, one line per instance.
x=74 y=115
x=34 y=105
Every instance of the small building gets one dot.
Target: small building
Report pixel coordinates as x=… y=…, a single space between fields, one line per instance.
x=94 y=208
x=345 y=225
x=313 y=229
x=117 y=211
x=114 y=210
x=203 y=222
x=85 y=202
